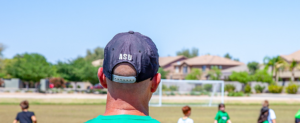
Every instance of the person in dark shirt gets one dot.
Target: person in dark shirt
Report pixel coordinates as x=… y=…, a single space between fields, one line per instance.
x=25 y=116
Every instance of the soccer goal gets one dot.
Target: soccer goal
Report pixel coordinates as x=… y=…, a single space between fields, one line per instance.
x=188 y=92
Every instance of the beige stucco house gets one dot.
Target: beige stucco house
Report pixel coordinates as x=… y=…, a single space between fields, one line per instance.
x=286 y=75
x=204 y=63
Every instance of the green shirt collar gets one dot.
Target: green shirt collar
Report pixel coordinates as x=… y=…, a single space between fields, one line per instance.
x=124 y=116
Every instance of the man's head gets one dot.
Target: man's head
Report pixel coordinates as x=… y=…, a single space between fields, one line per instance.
x=130 y=67
x=186 y=110
x=24 y=104
x=266 y=103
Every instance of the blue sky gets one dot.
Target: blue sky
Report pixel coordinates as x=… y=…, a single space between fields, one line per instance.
x=62 y=30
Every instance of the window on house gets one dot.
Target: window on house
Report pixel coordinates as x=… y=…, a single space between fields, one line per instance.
x=177 y=69
x=185 y=69
x=203 y=68
x=220 y=67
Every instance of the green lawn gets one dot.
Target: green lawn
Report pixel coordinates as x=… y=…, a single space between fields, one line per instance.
x=81 y=113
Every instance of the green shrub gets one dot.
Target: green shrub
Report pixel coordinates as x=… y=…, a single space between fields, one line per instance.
x=259 y=89
x=205 y=93
x=195 y=74
x=173 y=88
x=194 y=93
x=198 y=88
x=165 y=88
x=262 y=76
x=70 y=86
x=172 y=93
x=242 y=77
x=103 y=92
x=247 y=88
x=229 y=88
x=292 y=88
x=78 y=86
x=275 y=88
x=207 y=87
x=235 y=94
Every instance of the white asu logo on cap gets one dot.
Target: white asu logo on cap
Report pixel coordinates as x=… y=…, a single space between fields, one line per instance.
x=125 y=57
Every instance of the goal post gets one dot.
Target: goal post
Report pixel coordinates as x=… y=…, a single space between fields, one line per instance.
x=188 y=92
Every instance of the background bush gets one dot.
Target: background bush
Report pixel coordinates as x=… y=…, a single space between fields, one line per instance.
x=235 y=94
x=173 y=88
x=207 y=87
x=247 y=88
x=275 y=88
x=198 y=88
x=292 y=88
x=262 y=76
x=229 y=88
x=165 y=88
x=259 y=89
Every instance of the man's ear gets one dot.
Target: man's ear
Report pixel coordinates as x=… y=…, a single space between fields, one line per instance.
x=101 y=77
x=155 y=82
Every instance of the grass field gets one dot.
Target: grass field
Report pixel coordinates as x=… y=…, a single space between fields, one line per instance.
x=81 y=113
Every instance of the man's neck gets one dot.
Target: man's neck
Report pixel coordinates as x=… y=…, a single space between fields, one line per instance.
x=117 y=106
x=25 y=110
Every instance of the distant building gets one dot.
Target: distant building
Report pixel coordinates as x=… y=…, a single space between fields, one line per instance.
x=97 y=63
x=204 y=63
x=294 y=56
x=167 y=62
x=286 y=75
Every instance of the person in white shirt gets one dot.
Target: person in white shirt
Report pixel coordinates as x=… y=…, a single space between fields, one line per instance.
x=187 y=112
x=272 y=116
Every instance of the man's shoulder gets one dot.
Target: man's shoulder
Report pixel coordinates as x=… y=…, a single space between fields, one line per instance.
x=122 y=118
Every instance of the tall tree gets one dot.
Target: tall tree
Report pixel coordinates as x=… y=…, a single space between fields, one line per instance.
x=270 y=62
x=78 y=69
x=195 y=74
x=97 y=53
x=292 y=67
x=29 y=67
x=227 y=55
x=253 y=67
x=242 y=77
x=262 y=76
x=188 y=53
x=279 y=65
x=2 y=61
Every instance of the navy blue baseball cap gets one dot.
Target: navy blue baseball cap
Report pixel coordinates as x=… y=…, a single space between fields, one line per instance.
x=135 y=49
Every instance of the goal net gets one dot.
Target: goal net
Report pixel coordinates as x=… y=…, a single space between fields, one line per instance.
x=188 y=92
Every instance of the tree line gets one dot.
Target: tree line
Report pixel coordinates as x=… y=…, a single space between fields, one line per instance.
x=32 y=67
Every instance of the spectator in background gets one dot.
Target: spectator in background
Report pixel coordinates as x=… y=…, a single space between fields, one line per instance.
x=187 y=112
x=272 y=116
x=297 y=117
x=222 y=116
x=263 y=117
x=25 y=116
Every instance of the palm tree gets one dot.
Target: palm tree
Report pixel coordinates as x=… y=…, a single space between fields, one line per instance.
x=270 y=62
x=292 y=67
x=280 y=65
